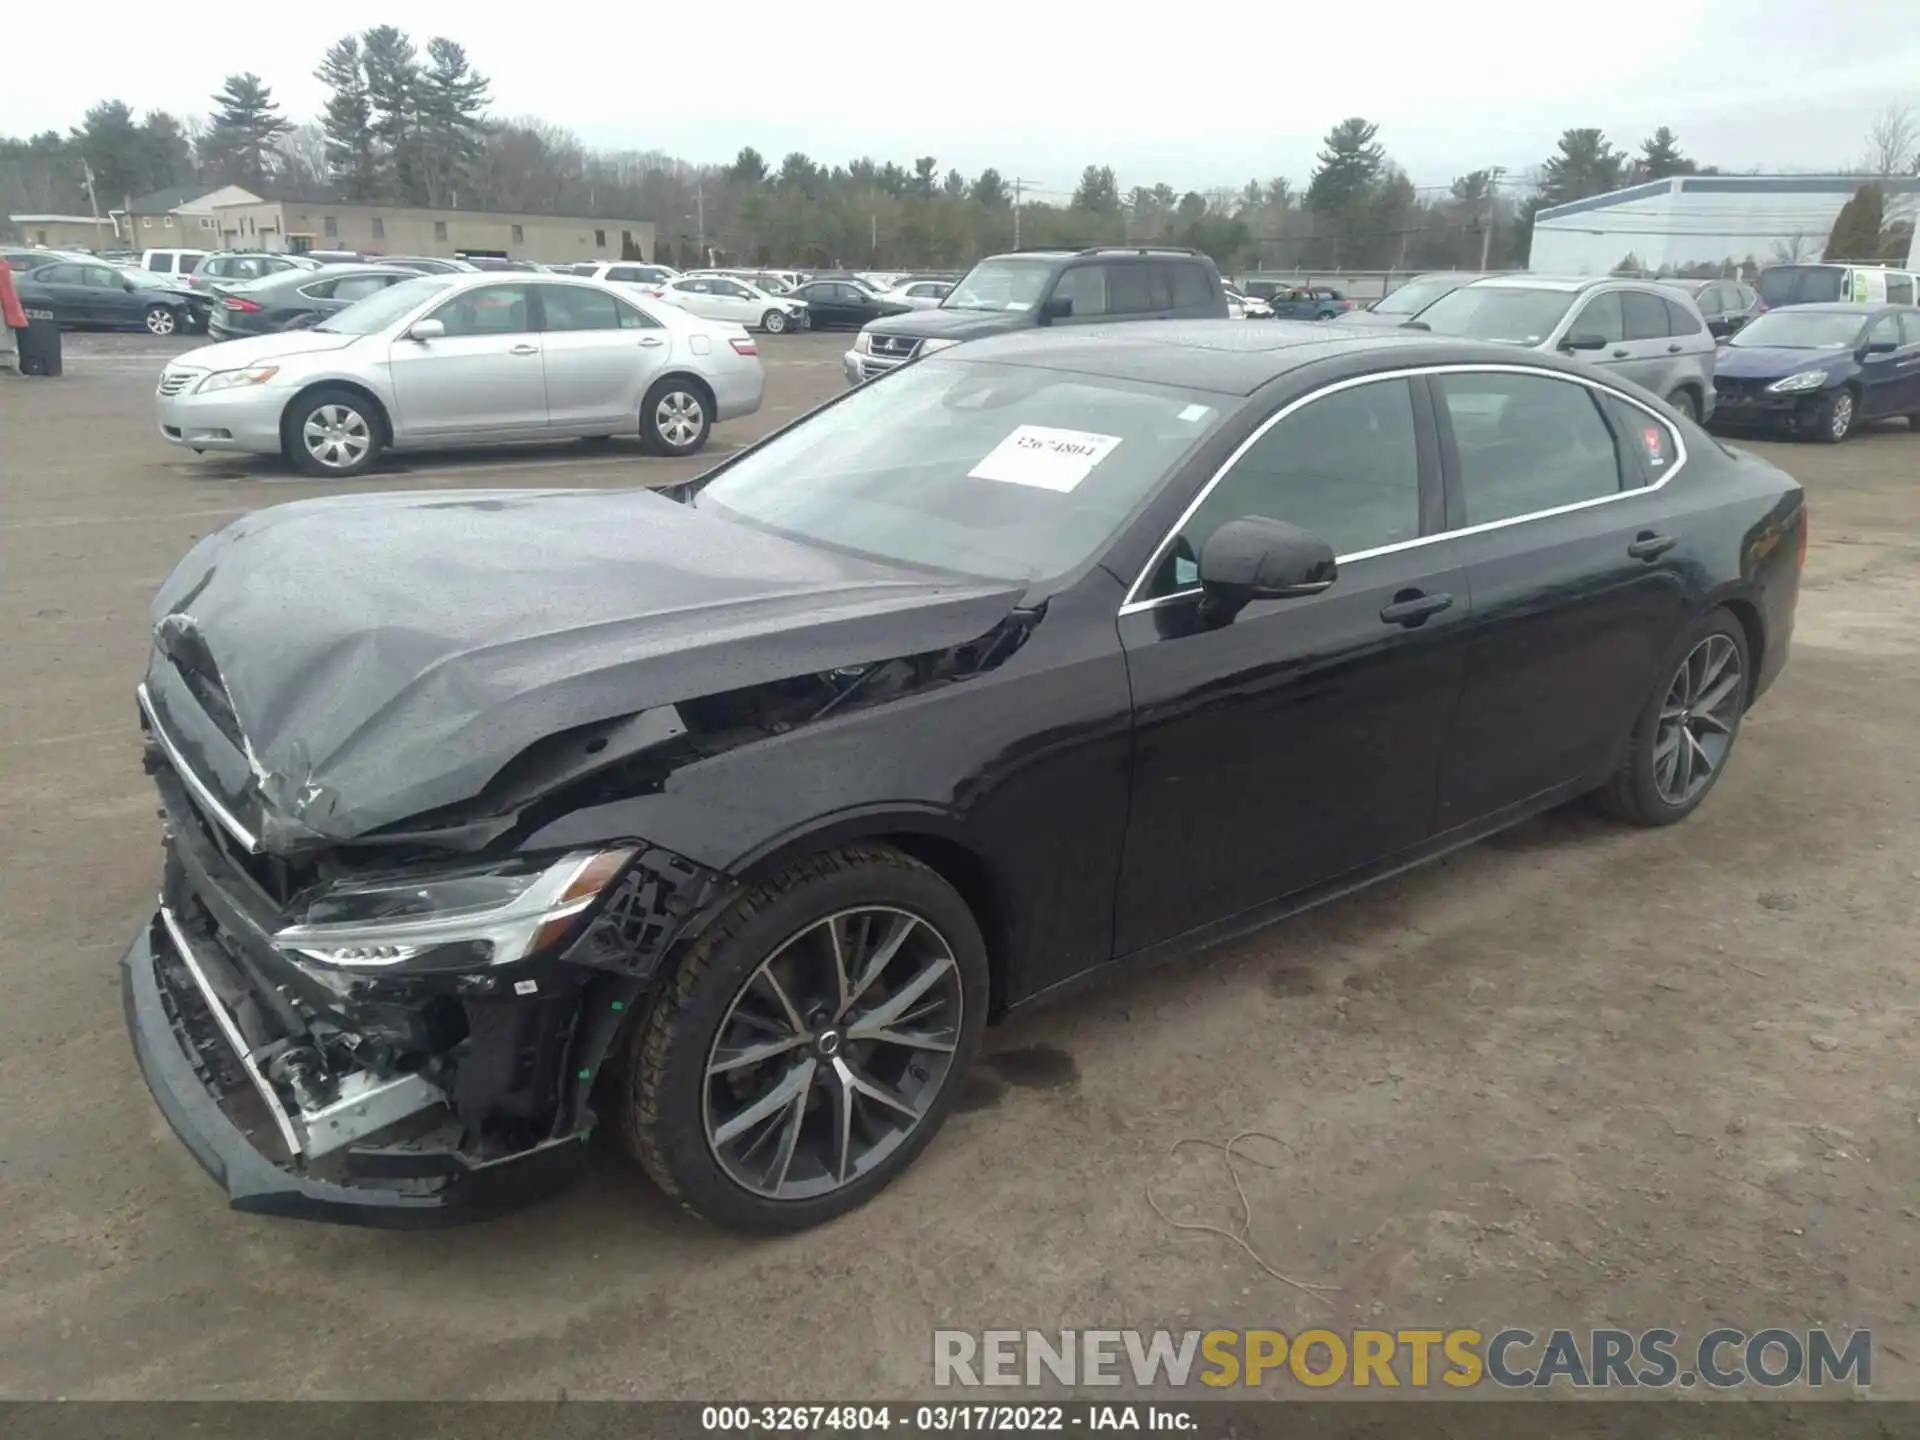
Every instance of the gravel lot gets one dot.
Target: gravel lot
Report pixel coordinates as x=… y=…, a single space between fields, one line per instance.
x=1579 y=1075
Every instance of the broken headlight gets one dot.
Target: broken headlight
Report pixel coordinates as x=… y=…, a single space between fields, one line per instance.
x=449 y=919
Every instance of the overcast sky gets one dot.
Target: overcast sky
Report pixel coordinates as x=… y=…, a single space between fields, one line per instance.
x=1195 y=95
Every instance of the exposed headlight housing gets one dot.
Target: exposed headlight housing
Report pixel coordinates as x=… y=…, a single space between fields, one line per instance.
x=863 y=343
x=927 y=347
x=1793 y=384
x=457 y=918
x=233 y=379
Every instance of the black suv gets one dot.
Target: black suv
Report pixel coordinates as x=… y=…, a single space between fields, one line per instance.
x=1028 y=288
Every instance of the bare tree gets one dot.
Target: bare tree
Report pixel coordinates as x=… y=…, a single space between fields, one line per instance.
x=1893 y=144
x=1796 y=249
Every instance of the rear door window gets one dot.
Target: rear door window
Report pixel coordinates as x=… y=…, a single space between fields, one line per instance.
x=1139 y=288
x=1899 y=288
x=1644 y=316
x=1680 y=320
x=1527 y=444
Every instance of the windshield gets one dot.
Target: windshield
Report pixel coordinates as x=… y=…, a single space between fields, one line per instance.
x=146 y=279
x=1000 y=285
x=1800 y=330
x=1801 y=284
x=1505 y=313
x=1414 y=296
x=383 y=307
x=1001 y=471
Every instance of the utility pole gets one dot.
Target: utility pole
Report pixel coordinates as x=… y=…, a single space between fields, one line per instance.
x=873 y=238
x=700 y=216
x=1486 y=224
x=93 y=199
x=1019 y=186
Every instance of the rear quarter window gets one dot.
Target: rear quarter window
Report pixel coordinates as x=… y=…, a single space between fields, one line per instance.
x=1652 y=447
x=1191 y=287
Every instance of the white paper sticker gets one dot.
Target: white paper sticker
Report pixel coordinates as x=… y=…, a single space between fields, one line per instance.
x=1195 y=412
x=1041 y=456
x=1019 y=304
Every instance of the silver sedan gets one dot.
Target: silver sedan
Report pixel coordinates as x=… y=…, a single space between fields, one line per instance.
x=469 y=359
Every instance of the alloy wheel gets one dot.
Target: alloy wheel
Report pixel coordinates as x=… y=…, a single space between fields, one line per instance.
x=832 y=1052
x=160 y=321
x=678 y=417
x=1697 y=720
x=775 y=323
x=1842 y=418
x=336 y=436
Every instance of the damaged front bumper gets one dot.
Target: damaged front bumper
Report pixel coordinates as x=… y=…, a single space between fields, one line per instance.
x=175 y=1020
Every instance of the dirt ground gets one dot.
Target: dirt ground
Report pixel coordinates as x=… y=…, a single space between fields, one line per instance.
x=1578 y=1075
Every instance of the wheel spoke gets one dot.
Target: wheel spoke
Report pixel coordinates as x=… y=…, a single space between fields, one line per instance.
x=1683 y=765
x=795 y=1023
x=1700 y=766
x=898 y=1003
x=1711 y=702
x=912 y=1040
x=742 y=1056
x=898 y=929
x=874 y=1090
x=792 y=1085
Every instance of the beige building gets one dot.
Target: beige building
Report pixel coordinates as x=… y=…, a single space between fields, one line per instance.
x=300 y=224
x=65 y=232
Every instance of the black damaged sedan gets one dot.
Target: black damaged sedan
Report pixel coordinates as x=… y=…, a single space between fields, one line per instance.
x=734 y=814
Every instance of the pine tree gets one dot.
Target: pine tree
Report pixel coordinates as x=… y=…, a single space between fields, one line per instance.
x=393 y=81
x=989 y=189
x=245 y=126
x=1097 y=191
x=1857 y=228
x=1350 y=164
x=450 y=98
x=347 y=121
x=1660 y=157
x=924 y=176
x=1586 y=164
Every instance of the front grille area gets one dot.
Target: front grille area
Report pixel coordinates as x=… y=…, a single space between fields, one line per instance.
x=172 y=382
x=894 y=347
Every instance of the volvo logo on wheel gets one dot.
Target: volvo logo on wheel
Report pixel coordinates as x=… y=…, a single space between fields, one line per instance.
x=828 y=1044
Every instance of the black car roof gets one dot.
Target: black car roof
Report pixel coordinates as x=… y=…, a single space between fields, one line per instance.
x=1229 y=357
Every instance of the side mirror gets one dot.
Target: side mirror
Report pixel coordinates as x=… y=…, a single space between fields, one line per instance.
x=1255 y=558
x=426 y=330
x=1056 y=309
x=1879 y=347
x=128 y=286
x=1584 y=342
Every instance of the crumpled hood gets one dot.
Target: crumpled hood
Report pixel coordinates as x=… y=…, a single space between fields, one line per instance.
x=1766 y=362
x=386 y=655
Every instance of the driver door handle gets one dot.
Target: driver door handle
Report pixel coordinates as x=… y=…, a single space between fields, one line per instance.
x=1673 y=349
x=1412 y=607
x=524 y=350
x=650 y=341
x=1649 y=546
x=1620 y=354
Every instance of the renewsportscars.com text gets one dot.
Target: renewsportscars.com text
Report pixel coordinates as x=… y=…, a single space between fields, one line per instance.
x=1457 y=1359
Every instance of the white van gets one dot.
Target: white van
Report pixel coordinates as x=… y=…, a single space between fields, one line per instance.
x=1821 y=284
x=178 y=263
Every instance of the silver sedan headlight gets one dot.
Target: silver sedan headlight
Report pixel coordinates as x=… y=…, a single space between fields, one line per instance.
x=234 y=379
x=452 y=918
x=1794 y=384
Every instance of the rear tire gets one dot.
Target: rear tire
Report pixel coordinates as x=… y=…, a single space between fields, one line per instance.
x=675 y=418
x=331 y=433
x=1690 y=719
x=1683 y=401
x=861 y=1108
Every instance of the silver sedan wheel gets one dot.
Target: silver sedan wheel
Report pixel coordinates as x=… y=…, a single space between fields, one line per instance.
x=1697 y=720
x=679 y=418
x=832 y=1053
x=337 y=436
x=160 y=320
x=774 y=323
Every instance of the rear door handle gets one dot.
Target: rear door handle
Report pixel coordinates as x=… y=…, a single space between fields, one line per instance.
x=1648 y=546
x=1674 y=349
x=524 y=350
x=1412 y=607
x=650 y=341
x=1620 y=354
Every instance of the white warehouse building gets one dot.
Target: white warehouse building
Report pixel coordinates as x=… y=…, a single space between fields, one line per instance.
x=1707 y=219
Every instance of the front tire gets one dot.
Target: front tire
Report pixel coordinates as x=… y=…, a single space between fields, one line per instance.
x=810 y=1044
x=330 y=433
x=1683 y=401
x=675 y=418
x=1833 y=419
x=774 y=323
x=1683 y=736
x=160 y=320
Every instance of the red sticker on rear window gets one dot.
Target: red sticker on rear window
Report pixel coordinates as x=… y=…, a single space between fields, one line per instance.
x=1656 y=445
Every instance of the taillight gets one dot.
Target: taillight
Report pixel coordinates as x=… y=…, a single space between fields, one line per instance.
x=743 y=345
x=234 y=302
x=1800 y=548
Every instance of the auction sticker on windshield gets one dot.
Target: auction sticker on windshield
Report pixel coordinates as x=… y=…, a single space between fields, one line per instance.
x=1044 y=457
